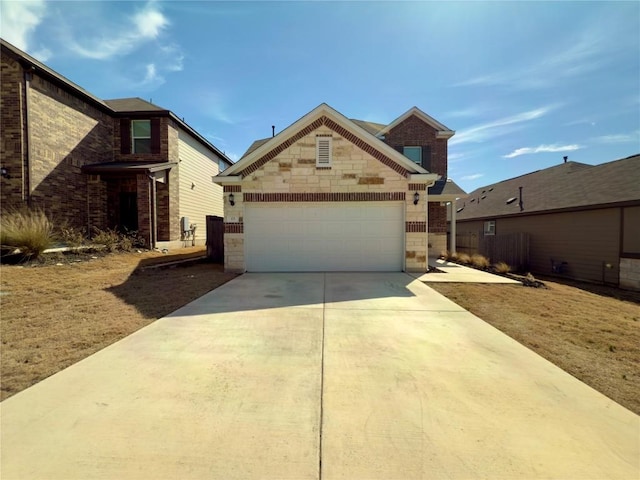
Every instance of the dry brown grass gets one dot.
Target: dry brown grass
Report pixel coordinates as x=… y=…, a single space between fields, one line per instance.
x=55 y=315
x=591 y=332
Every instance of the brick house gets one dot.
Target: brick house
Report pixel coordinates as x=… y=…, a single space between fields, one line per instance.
x=575 y=220
x=330 y=193
x=125 y=164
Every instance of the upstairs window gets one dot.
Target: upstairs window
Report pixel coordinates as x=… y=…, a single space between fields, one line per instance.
x=417 y=154
x=141 y=136
x=221 y=165
x=413 y=153
x=323 y=151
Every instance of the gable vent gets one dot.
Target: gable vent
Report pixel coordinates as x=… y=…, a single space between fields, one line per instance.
x=323 y=151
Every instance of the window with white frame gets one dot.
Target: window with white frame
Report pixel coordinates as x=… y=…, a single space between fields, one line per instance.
x=413 y=153
x=490 y=227
x=141 y=136
x=323 y=151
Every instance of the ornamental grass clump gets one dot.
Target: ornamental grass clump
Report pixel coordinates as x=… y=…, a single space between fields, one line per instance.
x=463 y=258
x=502 y=267
x=29 y=231
x=479 y=261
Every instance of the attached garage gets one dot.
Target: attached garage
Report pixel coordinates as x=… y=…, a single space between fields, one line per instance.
x=331 y=236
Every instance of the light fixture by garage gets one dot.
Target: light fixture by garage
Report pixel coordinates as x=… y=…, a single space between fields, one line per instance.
x=416 y=198
x=232 y=200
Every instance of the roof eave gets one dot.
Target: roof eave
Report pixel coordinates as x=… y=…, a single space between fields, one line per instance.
x=319 y=111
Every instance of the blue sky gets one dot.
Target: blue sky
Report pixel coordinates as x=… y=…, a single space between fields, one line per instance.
x=521 y=83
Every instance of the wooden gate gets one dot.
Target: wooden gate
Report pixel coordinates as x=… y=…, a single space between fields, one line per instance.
x=215 y=239
x=512 y=248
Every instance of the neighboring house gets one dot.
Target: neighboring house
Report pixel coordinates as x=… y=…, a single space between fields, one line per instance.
x=582 y=221
x=333 y=194
x=92 y=163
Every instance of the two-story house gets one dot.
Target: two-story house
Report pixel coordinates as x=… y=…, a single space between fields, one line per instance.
x=332 y=194
x=90 y=163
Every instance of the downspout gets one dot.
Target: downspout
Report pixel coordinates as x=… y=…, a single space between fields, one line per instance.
x=153 y=219
x=452 y=240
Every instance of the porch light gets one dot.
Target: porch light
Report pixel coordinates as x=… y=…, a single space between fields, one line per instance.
x=4 y=173
x=232 y=200
x=416 y=198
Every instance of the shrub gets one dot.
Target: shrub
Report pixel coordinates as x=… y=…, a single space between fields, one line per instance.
x=463 y=258
x=502 y=267
x=115 y=241
x=72 y=236
x=444 y=254
x=110 y=238
x=28 y=230
x=480 y=261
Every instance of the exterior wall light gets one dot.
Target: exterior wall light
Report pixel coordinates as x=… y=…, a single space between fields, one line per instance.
x=4 y=173
x=416 y=198
x=232 y=200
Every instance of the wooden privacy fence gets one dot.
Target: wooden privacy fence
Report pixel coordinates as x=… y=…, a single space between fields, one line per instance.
x=512 y=248
x=215 y=238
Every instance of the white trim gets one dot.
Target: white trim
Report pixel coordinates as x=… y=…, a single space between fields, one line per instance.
x=323 y=110
x=223 y=180
x=443 y=131
x=427 y=178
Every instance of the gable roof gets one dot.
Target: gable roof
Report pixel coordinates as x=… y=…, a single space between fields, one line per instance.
x=565 y=186
x=115 y=107
x=443 y=131
x=371 y=127
x=30 y=63
x=262 y=151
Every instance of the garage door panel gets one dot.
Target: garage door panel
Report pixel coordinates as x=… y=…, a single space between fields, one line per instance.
x=324 y=237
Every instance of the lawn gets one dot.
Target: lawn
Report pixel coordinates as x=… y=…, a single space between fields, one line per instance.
x=590 y=331
x=56 y=314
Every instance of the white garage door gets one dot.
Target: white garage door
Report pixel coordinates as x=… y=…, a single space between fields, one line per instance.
x=315 y=237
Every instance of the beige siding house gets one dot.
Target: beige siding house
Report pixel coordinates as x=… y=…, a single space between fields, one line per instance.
x=582 y=221
x=199 y=195
x=123 y=164
x=328 y=194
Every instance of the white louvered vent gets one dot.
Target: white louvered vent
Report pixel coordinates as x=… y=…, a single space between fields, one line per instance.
x=323 y=151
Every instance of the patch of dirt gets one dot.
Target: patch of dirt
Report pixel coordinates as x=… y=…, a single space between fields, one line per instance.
x=590 y=331
x=60 y=309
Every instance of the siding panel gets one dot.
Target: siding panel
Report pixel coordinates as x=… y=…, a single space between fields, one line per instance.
x=585 y=240
x=199 y=196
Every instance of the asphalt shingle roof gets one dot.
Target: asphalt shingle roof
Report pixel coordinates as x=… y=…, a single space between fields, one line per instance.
x=133 y=105
x=568 y=185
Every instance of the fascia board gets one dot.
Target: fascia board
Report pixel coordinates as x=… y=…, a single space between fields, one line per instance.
x=227 y=180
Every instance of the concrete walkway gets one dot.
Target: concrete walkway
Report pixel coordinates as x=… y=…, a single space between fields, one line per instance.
x=296 y=376
x=454 y=273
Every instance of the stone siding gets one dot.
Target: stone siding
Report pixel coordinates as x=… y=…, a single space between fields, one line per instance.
x=292 y=175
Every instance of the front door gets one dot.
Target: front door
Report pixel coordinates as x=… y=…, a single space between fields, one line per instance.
x=128 y=211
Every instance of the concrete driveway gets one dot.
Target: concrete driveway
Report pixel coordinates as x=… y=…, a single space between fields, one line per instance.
x=332 y=376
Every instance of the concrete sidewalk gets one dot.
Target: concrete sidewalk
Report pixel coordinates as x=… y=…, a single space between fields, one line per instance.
x=318 y=376
x=454 y=273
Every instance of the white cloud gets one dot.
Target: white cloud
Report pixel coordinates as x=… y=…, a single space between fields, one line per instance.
x=151 y=74
x=18 y=19
x=474 y=176
x=144 y=26
x=542 y=149
x=498 y=127
x=585 y=54
x=619 y=137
